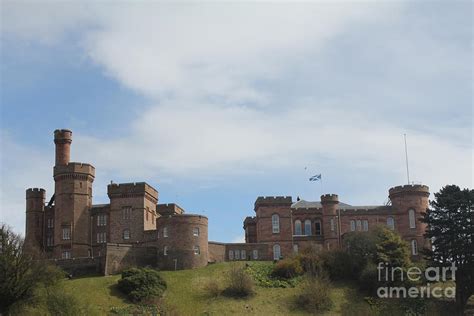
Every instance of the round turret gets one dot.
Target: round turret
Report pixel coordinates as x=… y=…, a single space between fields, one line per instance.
x=35 y=199
x=329 y=198
x=63 y=139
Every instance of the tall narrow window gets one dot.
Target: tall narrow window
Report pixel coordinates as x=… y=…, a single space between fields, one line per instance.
x=127 y=212
x=165 y=250
x=276 y=252
x=243 y=255
x=101 y=220
x=414 y=247
x=237 y=255
x=411 y=218
x=353 y=225
x=197 y=250
x=390 y=223
x=332 y=224
x=307 y=227
x=275 y=223
x=66 y=233
x=196 y=231
x=66 y=254
x=359 y=225
x=365 y=225
x=231 y=255
x=317 y=225
x=50 y=222
x=101 y=238
x=255 y=254
x=298 y=227
x=126 y=234
x=165 y=231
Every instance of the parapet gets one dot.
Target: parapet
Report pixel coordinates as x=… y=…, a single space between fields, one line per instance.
x=35 y=193
x=169 y=209
x=272 y=200
x=329 y=198
x=75 y=167
x=131 y=189
x=62 y=136
x=418 y=189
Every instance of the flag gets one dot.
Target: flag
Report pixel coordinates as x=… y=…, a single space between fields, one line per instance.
x=315 y=177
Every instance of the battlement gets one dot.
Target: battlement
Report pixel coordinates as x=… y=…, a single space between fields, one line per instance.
x=35 y=193
x=169 y=209
x=272 y=200
x=249 y=220
x=62 y=136
x=329 y=198
x=75 y=167
x=409 y=189
x=127 y=189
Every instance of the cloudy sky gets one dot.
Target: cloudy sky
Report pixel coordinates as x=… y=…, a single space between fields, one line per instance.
x=216 y=104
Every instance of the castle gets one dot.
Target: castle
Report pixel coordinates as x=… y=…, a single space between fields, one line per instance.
x=133 y=229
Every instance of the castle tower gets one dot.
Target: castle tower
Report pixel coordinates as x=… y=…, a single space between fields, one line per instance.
x=331 y=227
x=73 y=199
x=35 y=199
x=408 y=204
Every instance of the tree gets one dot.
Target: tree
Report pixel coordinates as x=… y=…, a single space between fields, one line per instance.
x=451 y=229
x=20 y=273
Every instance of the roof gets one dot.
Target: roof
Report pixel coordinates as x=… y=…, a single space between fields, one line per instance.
x=342 y=206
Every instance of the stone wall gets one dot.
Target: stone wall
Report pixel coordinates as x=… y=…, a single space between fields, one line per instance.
x=80 y=266
x=217 y=252
x=122 y=256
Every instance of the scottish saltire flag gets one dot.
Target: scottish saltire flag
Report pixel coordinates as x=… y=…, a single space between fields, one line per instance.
x=315 y=178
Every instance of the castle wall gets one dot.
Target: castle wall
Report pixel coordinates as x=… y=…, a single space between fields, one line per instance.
x=122 y=256
x=217 y=252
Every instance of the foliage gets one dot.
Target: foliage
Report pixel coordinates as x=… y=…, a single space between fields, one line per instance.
x=338 y=264
x=211 y=288
x=451 y=222
x=137 y=310
x=63 y=304
x=311 y=262
x=141 y=284
x=261 y=273
x=315 y=295
x=391 y=248
x=368 y=279
x=239 y=283
x=361 y=247
x=21 y=272
x=287 y=268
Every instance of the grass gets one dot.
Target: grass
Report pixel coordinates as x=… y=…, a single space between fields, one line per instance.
x=185 y=295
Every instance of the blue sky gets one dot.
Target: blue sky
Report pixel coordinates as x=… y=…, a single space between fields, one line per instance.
x=216 y=104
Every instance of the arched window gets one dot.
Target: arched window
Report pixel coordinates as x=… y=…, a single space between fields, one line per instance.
x=411 y=218
x=414 y=247
x=317 y=224
x=359 y=225
x=275 y=223
x=126 y=234
x=365 y=225
x=353 y=225
x=298 y=227
x=390 y=223
x=255 y=254
x=276 y=252
x=307 y=227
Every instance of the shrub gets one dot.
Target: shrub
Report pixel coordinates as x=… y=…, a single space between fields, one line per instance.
x=339 y=265
x=315 y=295
x=239 y=282
x=141 y=284
x=311 y=262
x=368 y=279
x=261 y=273
x=287 y=268
x=60 y=303
x=211 y=288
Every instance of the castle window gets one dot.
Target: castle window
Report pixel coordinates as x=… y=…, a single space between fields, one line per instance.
x=295 y=248
x=165 y=231
x=196 y=231
x=165 y=250
x=411 y=218
x=353 y=225
x=333 y=226
x=237 y=255
x=66 y=233
x=243 y=254
x=101 y=238
x=307 y=227
x=50 y=222
x=127 y=212
x=49 y=241
x=365 y=225
x=101 y=220
x=275 y=223
x=298 y=227
x=414 y=247
x=390 y=223
x=66 y=255
x=126 y=234
x=317 y=224
x=359 y=225
x=231 y=255
x=276 y=252
x=255 y=254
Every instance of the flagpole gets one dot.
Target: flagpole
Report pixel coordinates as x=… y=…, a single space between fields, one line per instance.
x=406 y=157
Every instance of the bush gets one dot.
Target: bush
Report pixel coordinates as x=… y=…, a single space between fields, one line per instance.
x=141 y=284
x=261 y=273
x=315 y=295
x=239 y=283
x=339 y=265
x=287 y=268
x=211 y=288
x=368 y=279
x=60 y=303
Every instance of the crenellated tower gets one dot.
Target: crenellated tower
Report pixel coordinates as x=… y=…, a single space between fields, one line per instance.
x=35 y=199
x=73 y=199
x=330 y=203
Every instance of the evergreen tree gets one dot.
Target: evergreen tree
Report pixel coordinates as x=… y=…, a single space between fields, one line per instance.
x=451 y=229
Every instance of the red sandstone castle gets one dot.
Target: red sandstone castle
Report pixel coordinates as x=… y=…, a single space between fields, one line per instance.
x=133 y=229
